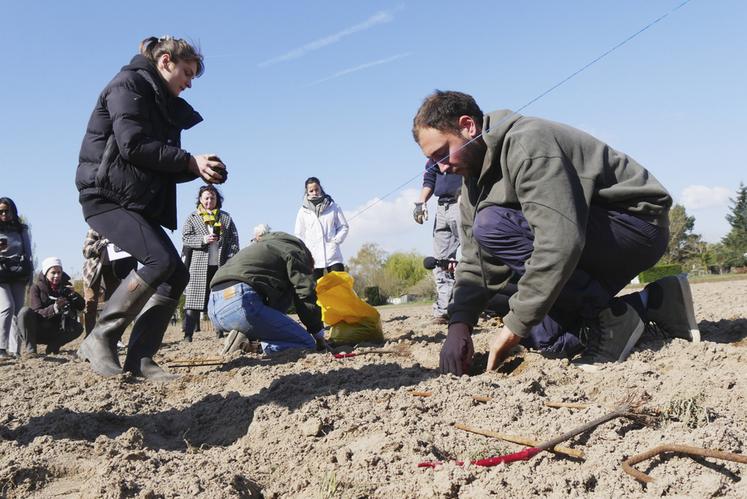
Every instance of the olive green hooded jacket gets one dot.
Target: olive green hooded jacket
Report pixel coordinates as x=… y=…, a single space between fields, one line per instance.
x=553 y=173
x=279 y=267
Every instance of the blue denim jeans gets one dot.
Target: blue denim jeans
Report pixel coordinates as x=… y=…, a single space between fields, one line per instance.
x=240 y=307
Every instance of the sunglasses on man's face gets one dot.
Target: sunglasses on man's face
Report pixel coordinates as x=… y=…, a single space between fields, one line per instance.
x=4 y=212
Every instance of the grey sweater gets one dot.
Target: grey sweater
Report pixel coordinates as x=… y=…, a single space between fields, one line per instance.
x=554 y=173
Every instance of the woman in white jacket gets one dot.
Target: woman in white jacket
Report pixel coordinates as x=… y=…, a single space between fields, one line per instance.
x=321 y=225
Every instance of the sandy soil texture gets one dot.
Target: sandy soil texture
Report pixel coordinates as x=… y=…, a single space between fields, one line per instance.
x=308 y=425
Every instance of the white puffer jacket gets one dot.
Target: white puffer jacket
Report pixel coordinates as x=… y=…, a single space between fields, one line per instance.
x=324 y=234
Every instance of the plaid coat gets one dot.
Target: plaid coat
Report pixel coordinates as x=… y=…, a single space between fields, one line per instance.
x=93 y=247
x=193 y=235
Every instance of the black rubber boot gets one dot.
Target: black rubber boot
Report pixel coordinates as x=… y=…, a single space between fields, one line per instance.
x=145 y=339
x=191 y=318
x=100 y=347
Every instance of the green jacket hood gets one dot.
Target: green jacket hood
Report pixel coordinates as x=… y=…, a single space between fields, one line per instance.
x=495 y=126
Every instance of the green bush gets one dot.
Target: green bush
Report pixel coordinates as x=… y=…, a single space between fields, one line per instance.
x=658 y=272
x=374 y=296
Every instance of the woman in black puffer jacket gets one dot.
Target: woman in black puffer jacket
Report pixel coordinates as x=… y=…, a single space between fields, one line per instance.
x=130 y=162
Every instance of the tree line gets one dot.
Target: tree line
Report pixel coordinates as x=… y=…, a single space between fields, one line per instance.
x=380 y=275
x=695 y=254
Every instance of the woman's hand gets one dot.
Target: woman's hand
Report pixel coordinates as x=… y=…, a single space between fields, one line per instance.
x=209 y=168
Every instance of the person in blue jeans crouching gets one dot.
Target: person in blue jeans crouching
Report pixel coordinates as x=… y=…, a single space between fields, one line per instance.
x=252 y=292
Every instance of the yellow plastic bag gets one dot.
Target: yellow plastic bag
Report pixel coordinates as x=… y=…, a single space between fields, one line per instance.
x=353 y=320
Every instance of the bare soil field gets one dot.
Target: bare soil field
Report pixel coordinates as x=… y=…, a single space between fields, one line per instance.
x=309 y=425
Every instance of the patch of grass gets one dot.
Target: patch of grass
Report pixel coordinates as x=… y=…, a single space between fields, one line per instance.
x=689 y=411
x=717 y=277
x=329 y=485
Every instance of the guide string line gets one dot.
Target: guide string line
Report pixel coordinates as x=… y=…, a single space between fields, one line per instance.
x=532 y=101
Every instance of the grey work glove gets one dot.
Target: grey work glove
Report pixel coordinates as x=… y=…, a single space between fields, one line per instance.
x=420 y=213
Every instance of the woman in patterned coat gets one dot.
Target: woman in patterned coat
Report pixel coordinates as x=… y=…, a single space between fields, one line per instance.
x=210 y=238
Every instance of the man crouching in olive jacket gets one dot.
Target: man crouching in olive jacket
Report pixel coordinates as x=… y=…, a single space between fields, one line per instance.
x=252 y=292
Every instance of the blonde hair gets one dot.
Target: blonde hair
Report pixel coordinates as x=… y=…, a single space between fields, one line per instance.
x=178 y=49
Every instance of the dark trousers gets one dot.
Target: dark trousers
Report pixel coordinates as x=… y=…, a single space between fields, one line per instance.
x=148 y=243
x=192 y=315
x=618 y=247
x=36 y=329
x=335 y=267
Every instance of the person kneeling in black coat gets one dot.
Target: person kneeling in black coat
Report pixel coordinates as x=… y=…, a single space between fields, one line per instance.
x=52 y=315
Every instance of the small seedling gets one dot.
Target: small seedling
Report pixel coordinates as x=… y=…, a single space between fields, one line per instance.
x=329 y=485
x=689 y=411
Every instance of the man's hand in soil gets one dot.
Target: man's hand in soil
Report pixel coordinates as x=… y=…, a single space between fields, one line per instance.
x=500 y=344
x=457 y=351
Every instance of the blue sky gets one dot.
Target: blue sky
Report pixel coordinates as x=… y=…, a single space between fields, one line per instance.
x=329 y=88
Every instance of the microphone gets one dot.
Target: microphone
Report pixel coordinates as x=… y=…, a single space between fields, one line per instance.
x=431 y=263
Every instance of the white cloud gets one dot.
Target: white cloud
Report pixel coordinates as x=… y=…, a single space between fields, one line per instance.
x=381 y=17
x=390 y=225
x=709 y=206
x=696 y=197
x=360 y=67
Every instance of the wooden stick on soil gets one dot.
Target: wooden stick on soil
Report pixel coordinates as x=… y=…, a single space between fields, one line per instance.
x=521 y=440
x=198 y=362
x=676 y=448
x=478 y=398
x=569 y=405
x=201 y=364
x=197 y=359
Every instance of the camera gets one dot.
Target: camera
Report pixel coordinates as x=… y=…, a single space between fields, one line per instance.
x=68 y=294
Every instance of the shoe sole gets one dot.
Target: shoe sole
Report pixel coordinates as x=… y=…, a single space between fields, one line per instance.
x=687 y=297
x=231 y=344
x=632 y=341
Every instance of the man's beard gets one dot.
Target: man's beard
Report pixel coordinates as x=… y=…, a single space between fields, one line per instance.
x=473 y=156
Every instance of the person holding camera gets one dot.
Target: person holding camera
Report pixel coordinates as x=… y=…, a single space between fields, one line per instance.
x=130 y=162
x=446 y=188
x=16 y=270
x=51 y=317
x=210 y=237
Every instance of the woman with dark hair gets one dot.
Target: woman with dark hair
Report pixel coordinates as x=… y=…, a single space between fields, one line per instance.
x=210 y=237
x=321 y=225
x=130 y=162
x=16 y=270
